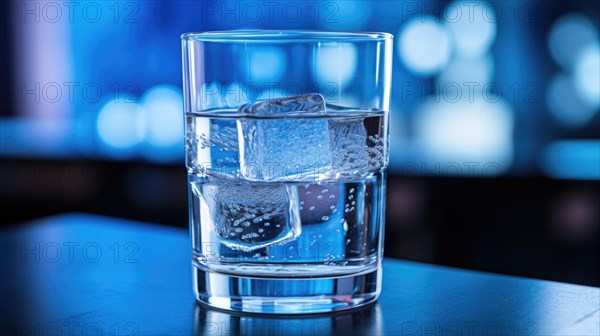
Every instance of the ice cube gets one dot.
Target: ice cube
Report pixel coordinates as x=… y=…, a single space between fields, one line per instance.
x=312 y=102
x=349 y=149
x=280 y=149
x=247 y=216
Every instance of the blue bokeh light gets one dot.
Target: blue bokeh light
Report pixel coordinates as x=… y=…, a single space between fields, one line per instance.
x=572 y=159
x=335 y=63
x=164 y=118
x=479 y=71
x=424 y=45
x=568 y=35
x=461 y=132
x=267 y=64
x=473 y=27
x=120 y=125
x=587 y=74
x=347 y=14
x=565 y=104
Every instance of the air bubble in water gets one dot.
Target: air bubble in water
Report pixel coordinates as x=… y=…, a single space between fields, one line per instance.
x=324 y=218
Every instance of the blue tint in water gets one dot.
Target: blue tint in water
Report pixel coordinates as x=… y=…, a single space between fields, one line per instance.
x=293 y=238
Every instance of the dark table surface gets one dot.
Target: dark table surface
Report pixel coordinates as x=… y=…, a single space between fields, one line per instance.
x=79 y=274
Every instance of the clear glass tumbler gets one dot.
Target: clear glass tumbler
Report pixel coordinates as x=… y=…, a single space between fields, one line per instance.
x=286 y=153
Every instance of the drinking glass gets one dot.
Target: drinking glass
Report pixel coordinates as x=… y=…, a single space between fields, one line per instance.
x=286 y=153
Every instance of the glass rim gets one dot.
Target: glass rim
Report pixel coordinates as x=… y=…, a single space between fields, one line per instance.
x=284 y=36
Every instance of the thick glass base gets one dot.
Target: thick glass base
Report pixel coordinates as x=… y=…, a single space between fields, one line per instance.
x=285 y=295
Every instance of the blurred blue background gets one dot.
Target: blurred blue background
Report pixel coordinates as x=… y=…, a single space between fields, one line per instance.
x=479 y=88
x=494 y=119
